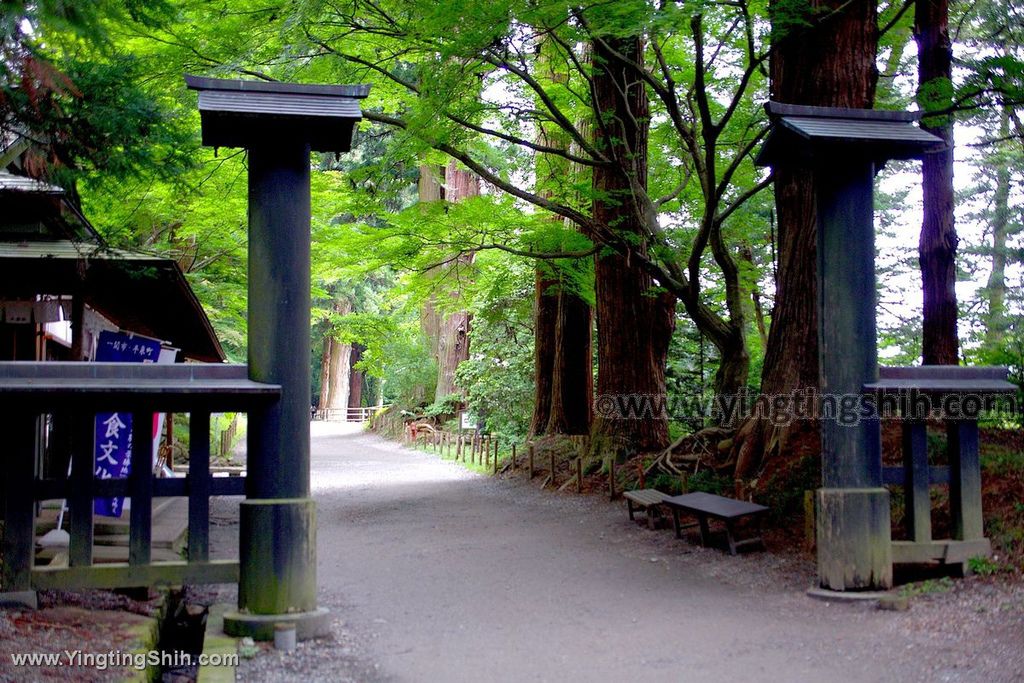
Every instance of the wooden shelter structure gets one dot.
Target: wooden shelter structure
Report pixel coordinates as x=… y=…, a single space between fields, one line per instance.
x=49 y=249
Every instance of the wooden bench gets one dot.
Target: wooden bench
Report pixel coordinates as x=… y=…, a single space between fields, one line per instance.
x=707 y=505
x=649 y=500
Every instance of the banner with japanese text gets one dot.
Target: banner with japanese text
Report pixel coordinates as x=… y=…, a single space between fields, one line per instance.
x=114 y=430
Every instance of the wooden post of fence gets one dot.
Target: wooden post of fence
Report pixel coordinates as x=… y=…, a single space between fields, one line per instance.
x=579 y=475
x=809 y=522
x=529 y=459
x=513 y=457
x=552 y=468
x=494 y=469
x=486 y=461
x=611 y=479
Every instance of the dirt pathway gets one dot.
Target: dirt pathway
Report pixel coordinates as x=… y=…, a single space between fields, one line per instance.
x=451 y=576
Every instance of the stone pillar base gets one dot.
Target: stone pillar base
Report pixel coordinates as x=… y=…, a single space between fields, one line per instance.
x=308 y=625
x=277 y=569
x=854 y=539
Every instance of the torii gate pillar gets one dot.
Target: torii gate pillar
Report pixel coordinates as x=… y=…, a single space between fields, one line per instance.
x=845 y=147
x=279 y=124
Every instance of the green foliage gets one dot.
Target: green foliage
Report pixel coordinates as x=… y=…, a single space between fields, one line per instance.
x=927 y=587
x=709 y=481
x=984 y=566
x=444 y=408
x=498 y=377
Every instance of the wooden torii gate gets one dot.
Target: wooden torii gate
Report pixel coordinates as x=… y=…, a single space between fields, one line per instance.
x=845 y=148
x=279 y=124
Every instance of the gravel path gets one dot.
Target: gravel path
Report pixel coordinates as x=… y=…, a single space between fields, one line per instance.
x=437 y=574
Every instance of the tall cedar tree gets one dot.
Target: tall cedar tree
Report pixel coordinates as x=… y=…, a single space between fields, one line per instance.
x=824 y=55
x=937 y=247
x=563 y=360
x=635 y=319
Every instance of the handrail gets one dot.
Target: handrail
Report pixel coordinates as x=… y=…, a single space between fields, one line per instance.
x=79 y=390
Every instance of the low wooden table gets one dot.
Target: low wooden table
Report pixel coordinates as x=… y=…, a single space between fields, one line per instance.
x=729 y=510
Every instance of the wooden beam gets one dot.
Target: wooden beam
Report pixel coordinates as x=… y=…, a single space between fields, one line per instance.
x=199 y=487
x=916 y=488
x=965 y=480
x=19 y=508
x=80 y=494
x=140 y=488
x=121 y=575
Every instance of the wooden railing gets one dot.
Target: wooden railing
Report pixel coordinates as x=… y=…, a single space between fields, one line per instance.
x=78 y=391
x=347 y=414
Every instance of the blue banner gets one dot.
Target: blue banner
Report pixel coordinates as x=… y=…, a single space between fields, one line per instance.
x=113 y=455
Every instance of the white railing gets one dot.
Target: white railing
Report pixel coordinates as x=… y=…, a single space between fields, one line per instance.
x=347 y=414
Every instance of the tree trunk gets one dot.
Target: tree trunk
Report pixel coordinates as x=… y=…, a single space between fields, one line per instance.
x=338 y=388
x=634 y=321
x=355 y=381
x=995 y=290
x=430 y=189
x=563 y=363
x=453 y=328
x=832 y=64
x=545 y=329
x=453 y=348
x=572 y=376
x=937 y=248
x=325 y=371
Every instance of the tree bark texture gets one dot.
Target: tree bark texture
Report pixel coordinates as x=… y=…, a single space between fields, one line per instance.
x=453 y=327
x=339 y=368
x=635 y=320
x=937 y=248
x=563 y=363
x=995 y=290
x=355 y=382
x=830 y=63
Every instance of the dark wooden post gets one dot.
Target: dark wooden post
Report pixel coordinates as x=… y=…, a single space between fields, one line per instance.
x=513 y=457
x=140 y=488
x=579 y=475
x=854 y=542
x=529 y=459
x=80 y=500
x=199 y=487
x=19 y=505
x=965 y=480
x=277 y=534
x=918 y=513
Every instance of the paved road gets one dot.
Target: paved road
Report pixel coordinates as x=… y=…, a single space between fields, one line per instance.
x=450 y=576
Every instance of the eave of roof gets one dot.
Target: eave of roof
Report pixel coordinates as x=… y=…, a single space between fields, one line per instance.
x=139 y=292
x=801 y=133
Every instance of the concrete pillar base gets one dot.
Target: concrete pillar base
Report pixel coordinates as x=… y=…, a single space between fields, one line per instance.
x=313 y=624
x=277 y=557
x=854 y=539
x=20 y=599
